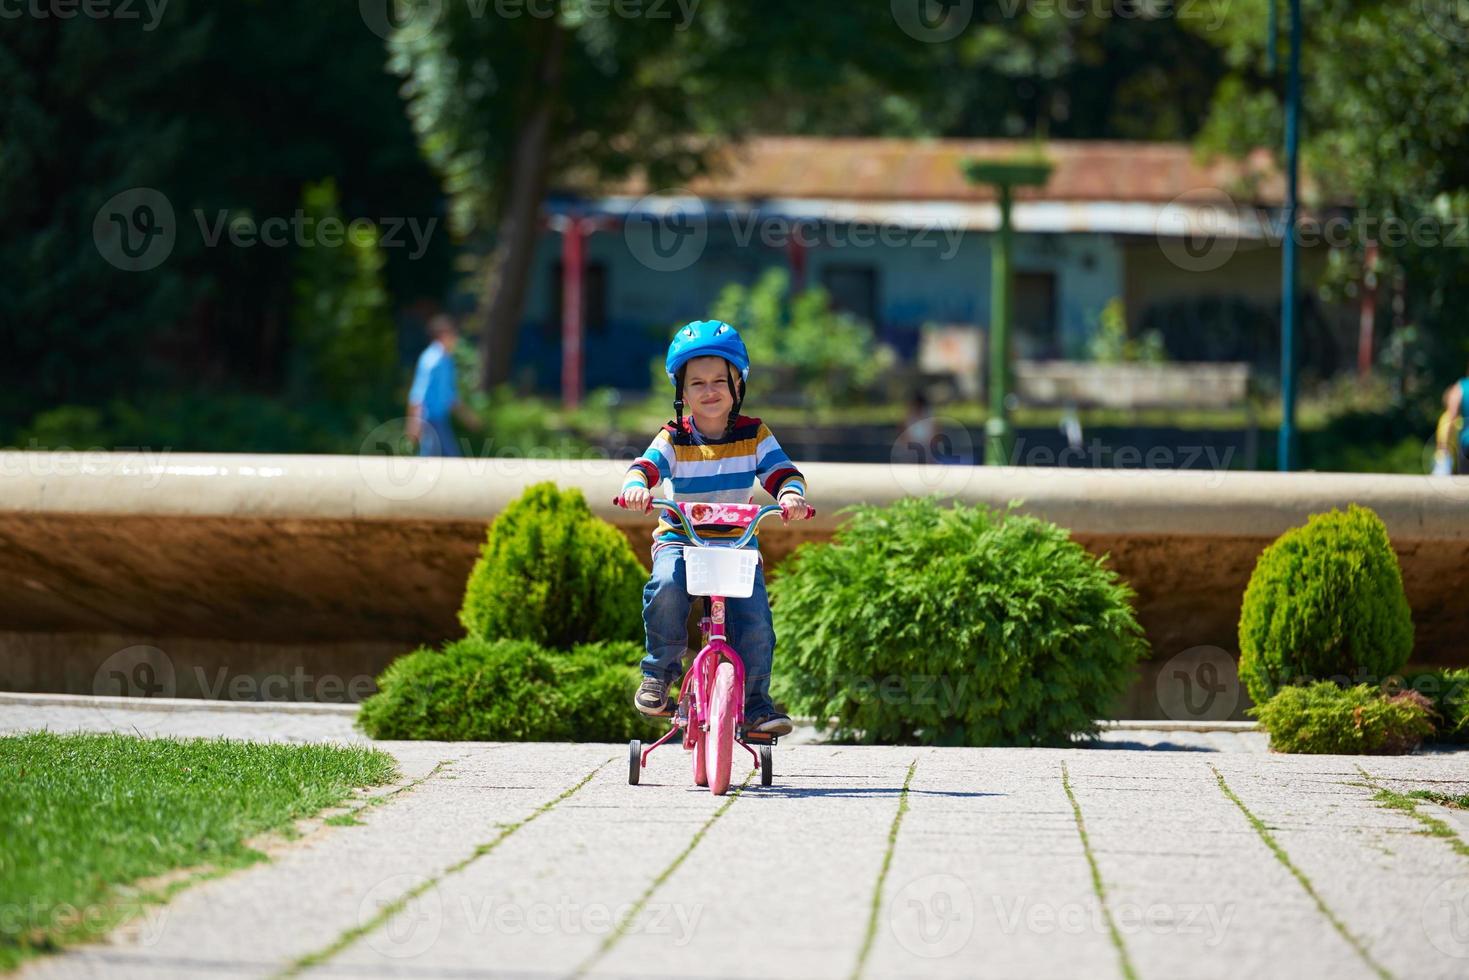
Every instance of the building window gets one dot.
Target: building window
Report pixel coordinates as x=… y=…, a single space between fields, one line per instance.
x=853 y=289
x=1036 y=336
x=594 y=301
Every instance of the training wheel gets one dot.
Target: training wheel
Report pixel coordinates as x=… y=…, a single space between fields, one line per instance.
x=767 y=765
x=634 y=761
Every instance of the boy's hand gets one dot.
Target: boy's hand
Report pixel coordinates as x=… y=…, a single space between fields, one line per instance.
x=793 y=507
x=637 y=498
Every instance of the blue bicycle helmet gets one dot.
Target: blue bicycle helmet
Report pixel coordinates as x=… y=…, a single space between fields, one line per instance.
x=706 y=338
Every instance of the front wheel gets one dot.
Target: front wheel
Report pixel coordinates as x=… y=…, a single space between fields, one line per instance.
x=721 y=735
x=767 y=765
x=634 y=761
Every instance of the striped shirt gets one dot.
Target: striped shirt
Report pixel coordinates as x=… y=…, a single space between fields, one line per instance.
x=723 y=470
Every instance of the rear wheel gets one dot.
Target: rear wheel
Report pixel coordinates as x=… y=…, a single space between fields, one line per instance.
x=701 y=769
x=767 y=766
x=634 y=761
x=721 y=734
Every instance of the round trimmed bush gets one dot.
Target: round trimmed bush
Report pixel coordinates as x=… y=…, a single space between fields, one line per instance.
x=1325 y=602
x=552 y=572
x=1324 y=718
x=508 y=691
x=953 y=626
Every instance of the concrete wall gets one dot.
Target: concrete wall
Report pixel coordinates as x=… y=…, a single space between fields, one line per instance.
x=270 y=566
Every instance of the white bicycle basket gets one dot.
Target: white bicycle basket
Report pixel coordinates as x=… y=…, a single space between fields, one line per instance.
x=728 y=572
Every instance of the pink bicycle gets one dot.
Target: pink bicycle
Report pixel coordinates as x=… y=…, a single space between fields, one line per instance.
x=711 y=700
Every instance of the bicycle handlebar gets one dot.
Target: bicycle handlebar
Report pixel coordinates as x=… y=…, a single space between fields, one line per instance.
x=672 y=507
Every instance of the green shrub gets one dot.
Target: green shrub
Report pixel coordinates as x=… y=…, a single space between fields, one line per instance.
x=553 y=573
x=598 y=682
x=1325 y=601
x=1448 y=690
x=508 y=691
x=1323 y=718
x=952 y=626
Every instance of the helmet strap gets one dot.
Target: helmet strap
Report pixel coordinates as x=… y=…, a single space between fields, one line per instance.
x=739 y=399
x=679 y=439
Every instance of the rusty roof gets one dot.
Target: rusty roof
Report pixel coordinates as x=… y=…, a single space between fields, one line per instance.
x=867 y=169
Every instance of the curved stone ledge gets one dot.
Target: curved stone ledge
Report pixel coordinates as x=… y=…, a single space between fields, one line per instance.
x=333 y=552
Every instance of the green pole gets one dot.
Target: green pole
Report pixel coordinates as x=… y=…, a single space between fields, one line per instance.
x=997 y=427
x=1031 y=170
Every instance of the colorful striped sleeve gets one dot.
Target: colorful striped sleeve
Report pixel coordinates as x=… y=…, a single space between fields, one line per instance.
x=653 y=467
x=773 y=468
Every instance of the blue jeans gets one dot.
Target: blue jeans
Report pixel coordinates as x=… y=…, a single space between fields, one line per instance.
x=666 y=604
x=438 y=439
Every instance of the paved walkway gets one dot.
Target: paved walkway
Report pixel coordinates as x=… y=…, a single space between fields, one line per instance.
x=538 y=860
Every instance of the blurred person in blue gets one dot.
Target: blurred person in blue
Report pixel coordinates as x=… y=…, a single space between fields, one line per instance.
x=433 y=401
x=1451 y=451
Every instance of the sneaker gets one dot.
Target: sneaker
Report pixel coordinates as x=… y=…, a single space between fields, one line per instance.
x=774 y=723
x=652 y=697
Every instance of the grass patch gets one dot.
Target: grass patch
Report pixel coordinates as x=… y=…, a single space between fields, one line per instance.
x=1300 y=876
x=398 y=904
x=1098 y=886
x=882 y=874
x=86 y=818
x=1442 y=799
x=344 y=820
x=1408 y=803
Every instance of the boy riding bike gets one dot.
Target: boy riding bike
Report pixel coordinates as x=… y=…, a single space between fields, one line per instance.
x=715 y=456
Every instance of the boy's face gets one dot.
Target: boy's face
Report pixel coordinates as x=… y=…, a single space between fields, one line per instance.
x=706 y=387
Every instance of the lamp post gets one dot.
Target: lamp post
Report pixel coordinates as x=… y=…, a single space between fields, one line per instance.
x=1005 y=176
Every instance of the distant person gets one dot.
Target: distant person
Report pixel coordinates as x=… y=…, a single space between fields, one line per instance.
x=921 y=431
x=433 y=401
x=1455 y=398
